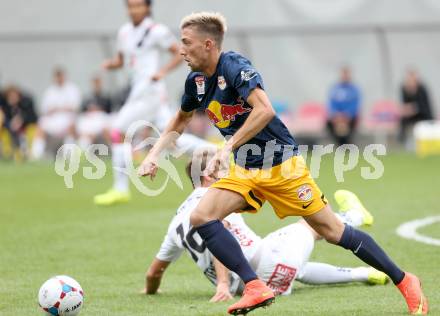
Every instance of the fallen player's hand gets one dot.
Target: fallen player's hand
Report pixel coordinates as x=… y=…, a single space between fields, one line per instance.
x=222 y=294
x=148 y=167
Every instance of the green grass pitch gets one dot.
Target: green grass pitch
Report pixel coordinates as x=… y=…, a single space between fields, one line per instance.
x=47 y=229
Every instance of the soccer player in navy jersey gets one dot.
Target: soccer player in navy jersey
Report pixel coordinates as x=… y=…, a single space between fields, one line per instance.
x=267 y=164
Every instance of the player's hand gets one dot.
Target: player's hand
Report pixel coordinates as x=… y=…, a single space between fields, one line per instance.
x=218 y=166
x=107 y=64
x=149 y=167
x=222 y=294
x=158 y=76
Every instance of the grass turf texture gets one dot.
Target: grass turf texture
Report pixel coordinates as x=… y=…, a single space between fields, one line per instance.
x=47 y=229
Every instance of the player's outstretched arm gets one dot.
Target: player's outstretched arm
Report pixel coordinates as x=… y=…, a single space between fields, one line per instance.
x=154 y=275
x=261 y=114
x=175 y=61
x=114 y=63
x=174 y=129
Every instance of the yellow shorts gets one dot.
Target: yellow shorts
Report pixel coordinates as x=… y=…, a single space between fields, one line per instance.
x=288 y=187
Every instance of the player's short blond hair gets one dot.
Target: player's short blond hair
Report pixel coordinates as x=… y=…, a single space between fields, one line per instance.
x=211 y=23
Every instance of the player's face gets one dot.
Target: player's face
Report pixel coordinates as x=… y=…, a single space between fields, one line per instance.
x=194 y=49
x=137 y=10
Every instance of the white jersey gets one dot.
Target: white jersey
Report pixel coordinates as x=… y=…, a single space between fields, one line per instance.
x=142 y=46
x=182 y=236
x=61 y=97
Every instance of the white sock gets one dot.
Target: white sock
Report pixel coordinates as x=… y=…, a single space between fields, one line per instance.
x=120 y=179
x=353 y=218
x=359 y=274
x=38 y=147
x=84 y=142
x=323 y=273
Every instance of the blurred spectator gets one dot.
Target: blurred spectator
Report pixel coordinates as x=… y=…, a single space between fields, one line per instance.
x=17 y=114
x=98 y=100
x=344 y=103
x=60 y=104
x=416 y=105
x=92 y=125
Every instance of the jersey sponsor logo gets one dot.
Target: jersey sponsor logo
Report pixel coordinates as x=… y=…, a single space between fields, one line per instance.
x=241 y=236
x=221 y=115
x=281 y=278
x=304 y=192
x=200 y=83
x=248 y=74
x=221 y=82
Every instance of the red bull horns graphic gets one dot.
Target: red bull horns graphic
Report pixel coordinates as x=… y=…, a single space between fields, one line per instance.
x=222 y=114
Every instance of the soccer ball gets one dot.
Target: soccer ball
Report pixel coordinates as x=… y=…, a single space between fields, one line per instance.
x=61 y=296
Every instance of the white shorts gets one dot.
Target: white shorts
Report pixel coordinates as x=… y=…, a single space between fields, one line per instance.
x=92 y=123
x=146 y=102
x=282 y=256
x=57 y=124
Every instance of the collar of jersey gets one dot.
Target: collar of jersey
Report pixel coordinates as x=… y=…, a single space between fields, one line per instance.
x=147 y=21
x=216 y=68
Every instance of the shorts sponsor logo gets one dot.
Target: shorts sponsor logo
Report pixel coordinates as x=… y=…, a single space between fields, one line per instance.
x=304 y=192
x=281 y=278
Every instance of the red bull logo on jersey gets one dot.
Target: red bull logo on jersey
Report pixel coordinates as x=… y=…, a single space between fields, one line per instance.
x=222 y=114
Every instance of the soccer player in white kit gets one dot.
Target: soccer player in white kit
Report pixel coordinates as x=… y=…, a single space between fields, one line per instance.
x=278 y=259
x=140 y=45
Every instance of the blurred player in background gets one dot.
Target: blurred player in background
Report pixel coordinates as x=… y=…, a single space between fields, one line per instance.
x=279 y=258
x=267 y=166
x=140 y=45
x=59 y=109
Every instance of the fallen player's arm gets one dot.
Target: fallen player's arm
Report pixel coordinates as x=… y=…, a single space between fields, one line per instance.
x=154 y=275
x=222 y=293
x=262 y=113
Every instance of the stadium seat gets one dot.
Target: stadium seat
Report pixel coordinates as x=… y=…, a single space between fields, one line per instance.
x=310 y=118
x=383 y=120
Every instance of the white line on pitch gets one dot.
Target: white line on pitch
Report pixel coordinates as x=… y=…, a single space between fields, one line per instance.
x=408 y=230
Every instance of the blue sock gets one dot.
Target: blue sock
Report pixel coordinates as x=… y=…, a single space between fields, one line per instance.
x=366 y=249
x=226 y=249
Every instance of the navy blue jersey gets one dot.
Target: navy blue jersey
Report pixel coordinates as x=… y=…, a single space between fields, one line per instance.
x=223 y=97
